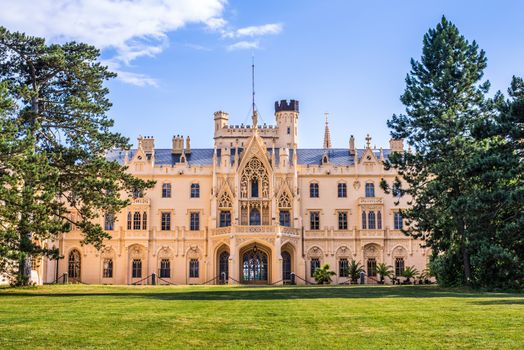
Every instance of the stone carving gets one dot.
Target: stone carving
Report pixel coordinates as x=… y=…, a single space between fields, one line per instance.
x=356 y=185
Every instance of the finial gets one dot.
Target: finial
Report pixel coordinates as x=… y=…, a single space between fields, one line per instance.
x=368 y=141
x=327 y=135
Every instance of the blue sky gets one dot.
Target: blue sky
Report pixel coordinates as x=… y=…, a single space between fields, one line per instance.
x=347 y=58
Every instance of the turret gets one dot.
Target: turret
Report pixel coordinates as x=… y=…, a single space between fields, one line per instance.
x=147 y=144
x=177 y=144
x=188 y=145
x=286 y=115
x=221 y=120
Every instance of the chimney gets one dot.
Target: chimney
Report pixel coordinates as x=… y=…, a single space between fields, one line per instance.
x=396 y=145
x=178 y=144
x=188 y=145
x=352 y=145
x=148 y=144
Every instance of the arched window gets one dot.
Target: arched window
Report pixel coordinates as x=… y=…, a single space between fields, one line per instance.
x=397 y=221
x=313 y=265
x=370 y=190
x=254 y=188
x=193 y=268
x=166 y=190
x=313 y=190
x=136 y=268
x=195 y=191
x=286 y=266
x=371 y=220
x=364 y=218
x=73 y=267
x=165 y=268
x=372 y=267
x=343 y=267
x=109 y=221
x=399 y=266
x=223 y=268
x=129 y=221
x=379 y=220
x=136 y=221
x=254 y=217
x=144 y=221
x=138 y=193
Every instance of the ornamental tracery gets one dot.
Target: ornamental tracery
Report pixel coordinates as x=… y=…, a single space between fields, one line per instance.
x=225 y=200
x=284 y=201
x=254 y=173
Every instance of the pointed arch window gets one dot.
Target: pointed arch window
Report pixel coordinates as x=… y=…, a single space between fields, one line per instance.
x=137 y=221
x=129 y=221
x=372 y=220
x=74 y=265
x=254 y=217
x=109 y=221
x=364 y=218
x=254 y=188
x=144 y=221
x=379 y=220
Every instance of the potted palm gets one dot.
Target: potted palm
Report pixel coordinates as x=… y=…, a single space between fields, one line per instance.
x=384 y=271
x=409 y=273
x=354 y=269
x=323 y=275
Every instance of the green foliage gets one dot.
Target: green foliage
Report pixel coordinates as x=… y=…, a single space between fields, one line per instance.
x=354 y=269
x=384 y=271
x=465 y=170
x=322 y=275
x=53 y=169
x=409 y=273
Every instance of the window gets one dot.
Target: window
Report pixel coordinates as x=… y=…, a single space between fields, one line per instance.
x=397 y=221
x=313 y=190
x=166 y=190
x=288 y=130
x=399 y=266
x=396 y=190
x=314 y=220
x=195 y=191
x=165 y=268
x=73 y=269
x=364 y=217
x=136 y=271
x=107 y=271
x=254 y=188
x=342 y=220
x=225 y=218
x=194 y=221
x=343 y=268
x=136 y=221
x=370 y=190
x=144 y=221
x=193 y=268
x=109 y=222
x=371 y=220
x=286 y=266
x=379 y=220
x=129 y=221
x=372 y=267
x=254 y=217
x=314 y=264
x=138 y=193
x=285 y=218
x=165 y=221
x=342 y=190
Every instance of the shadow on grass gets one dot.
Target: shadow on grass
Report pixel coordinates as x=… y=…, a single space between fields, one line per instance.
x=500 y=302
x=264 y=293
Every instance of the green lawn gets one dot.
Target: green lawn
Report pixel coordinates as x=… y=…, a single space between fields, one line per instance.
x=378 y=317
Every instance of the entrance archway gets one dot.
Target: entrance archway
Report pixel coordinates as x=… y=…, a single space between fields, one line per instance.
x=255 y=265
x=73 y=266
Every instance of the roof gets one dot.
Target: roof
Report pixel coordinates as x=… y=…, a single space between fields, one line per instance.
x=204 y=156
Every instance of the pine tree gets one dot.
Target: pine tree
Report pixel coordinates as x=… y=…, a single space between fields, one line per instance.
x=57 y=140
x=444 y=99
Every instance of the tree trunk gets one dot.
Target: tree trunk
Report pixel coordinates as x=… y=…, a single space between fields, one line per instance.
x=465 y=254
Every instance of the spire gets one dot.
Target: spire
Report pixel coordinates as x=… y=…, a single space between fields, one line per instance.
x=368 y=141
x=255 y=114
x=327 y=135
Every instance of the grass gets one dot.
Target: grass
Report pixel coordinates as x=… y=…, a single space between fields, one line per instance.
x=181 y=317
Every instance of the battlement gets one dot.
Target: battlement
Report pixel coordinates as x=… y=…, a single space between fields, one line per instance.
x=285 y=106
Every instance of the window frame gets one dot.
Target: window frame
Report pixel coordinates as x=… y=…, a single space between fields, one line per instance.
x=194 y=221
x=342 y=190
x=166 y=190
x=314 y=190
x=194 y=268
x=165 y=221
x=369 y=190
x=314 y=262
x=107 y=270
x=314 y=225
x=165 y=268
x=344 y=215
x=194 y=191
x=343 y=265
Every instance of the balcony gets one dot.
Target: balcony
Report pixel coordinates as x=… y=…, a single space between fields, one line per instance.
x=370 y=200
x=259 y=229
x=141 y=201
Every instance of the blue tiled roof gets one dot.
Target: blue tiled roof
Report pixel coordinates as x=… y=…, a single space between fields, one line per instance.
x=204 y=156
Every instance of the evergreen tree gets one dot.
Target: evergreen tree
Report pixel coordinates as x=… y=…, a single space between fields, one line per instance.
x=55 y=173
x=444 y=99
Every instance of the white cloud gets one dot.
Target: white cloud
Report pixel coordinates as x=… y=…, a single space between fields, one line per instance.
x=243 y=45
x=132 y=28
x=252 y=31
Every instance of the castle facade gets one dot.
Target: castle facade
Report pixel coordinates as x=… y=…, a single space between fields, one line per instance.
x=253 y=209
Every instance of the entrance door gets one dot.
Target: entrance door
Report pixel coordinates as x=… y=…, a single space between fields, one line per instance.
x=223 y=267
x=255 y=267
x=286 y=266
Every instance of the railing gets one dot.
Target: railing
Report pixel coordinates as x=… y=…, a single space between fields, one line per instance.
x=371 y=200
x=145 y=201
x=263 y=229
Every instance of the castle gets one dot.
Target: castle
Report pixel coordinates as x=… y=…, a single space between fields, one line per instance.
x=255 y=208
